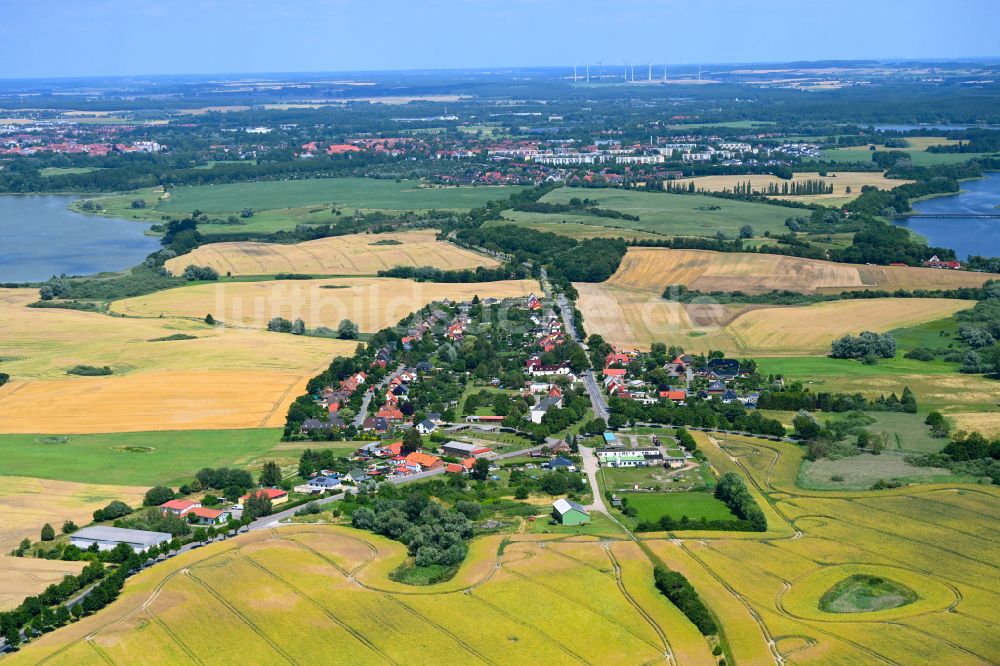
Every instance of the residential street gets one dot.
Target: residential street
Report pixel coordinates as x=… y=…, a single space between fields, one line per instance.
x=367 y=398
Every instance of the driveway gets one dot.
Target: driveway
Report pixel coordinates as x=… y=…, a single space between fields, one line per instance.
x=590 y=468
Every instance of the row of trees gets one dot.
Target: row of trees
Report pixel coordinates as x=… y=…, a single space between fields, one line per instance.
x=732 y=491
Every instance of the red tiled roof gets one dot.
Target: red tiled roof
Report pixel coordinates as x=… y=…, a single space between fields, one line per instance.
x=203 y=512
x=179 y=504
x=271 y=493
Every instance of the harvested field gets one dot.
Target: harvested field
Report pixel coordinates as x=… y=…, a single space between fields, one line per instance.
x=162 y=400
x=357 y=254
x=207 y=604
x=988 y=423
x=841 y=181
x=26 y=504
x=653 y=269
x=22 y=577
x=632 y=318
x=372 y=303
x=44 y=342
x=224 y=378
x=814 y=327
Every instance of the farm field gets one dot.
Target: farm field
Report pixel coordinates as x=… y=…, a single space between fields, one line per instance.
x=22 y=577
x=935 y=383
x=206 y=606
x=632 y=318
x=356 y=254
x=839 y=535
x=26 y=504
x=161 y=400
x=574 y=227
x=694 y=505
x=372 y=303
x=662 y=213
x=139 y=459
x=653 y=269
x=42 y=343
x=917 y=149
x=840 y=180
x=223 y=378
x=350 y=193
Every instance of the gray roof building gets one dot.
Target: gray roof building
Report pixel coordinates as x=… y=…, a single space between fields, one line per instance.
x=107 y=538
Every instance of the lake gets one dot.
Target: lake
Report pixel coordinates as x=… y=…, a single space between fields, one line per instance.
x=40 y=237
x=963 y=234
x=909 y=128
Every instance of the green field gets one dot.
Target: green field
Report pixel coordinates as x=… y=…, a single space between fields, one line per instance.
x=862 y=471
x=694 y=505
x=918 y=157
x=572 y=228
x=659 y=213
x=350 y=193
x=64 y=171
x=132 y=459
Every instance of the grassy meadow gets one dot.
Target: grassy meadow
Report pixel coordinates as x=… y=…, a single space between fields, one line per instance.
x=134 y=458
x=286 y=204
x=349 y=193
x=660 y=213
x=917 y=150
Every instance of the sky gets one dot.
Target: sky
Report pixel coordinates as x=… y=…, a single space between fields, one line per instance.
x=68 y=38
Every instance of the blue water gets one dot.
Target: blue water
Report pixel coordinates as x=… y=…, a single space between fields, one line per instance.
x=963 y=234
x=907 y=128
x=40 y=237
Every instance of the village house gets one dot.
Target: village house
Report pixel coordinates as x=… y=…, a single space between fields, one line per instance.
x=203 y=515
x=179 y=507
x=425 y=461
x=276 y=495
x=543 y=406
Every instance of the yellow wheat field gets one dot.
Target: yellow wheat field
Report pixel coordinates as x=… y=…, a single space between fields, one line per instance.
x=372 y=303
x=224 y=378
x=26 y=504
x=632 y=318
x=843 y=180
x=248 y=600
x=160 y=400
x=653 y=269
x=356 y=254
x=22 y=577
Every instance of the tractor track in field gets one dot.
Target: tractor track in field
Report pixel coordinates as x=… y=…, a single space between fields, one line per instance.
x=246 y=620
x=668 y=651
x=357 y=635
x=441 y=628
x=529 y=627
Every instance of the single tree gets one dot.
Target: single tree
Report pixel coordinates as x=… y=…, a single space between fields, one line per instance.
x=210 y=320
x=480 y=469
x=412 y=441
x=157 y=495
x=271 y=474
x=347 y=330
x=69 y=527
x=48 y=534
